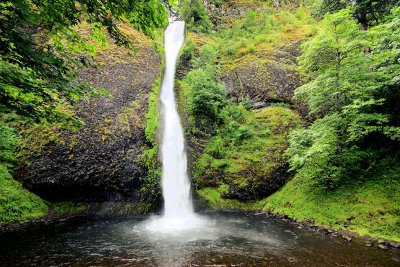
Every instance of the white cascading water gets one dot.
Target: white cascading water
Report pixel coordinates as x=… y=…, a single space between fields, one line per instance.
x=178 y=209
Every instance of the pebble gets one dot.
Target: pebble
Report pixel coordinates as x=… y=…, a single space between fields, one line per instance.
x=347 y=238
x=368 y=244
x=394 y=245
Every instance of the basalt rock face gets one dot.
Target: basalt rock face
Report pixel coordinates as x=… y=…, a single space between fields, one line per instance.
x=268 y=76
x=102 y=160
x=225 y=12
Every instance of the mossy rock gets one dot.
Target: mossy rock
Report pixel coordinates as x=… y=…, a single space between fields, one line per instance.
x=253 y=166
x=222 y=13
x=273 y=77
x=101 y=161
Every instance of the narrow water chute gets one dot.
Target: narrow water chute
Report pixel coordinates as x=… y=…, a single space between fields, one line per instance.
x=175 y=182
x=178 y=208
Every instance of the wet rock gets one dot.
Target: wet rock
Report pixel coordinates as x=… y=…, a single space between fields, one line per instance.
x=381 y=241
x=368 y=244
x=382 y=246
x=394 y=245
x=347 y=238
x=327 y=231
x=260 y=104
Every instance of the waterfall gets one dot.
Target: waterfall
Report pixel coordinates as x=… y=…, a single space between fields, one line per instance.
x=175 y=182
x=178 y=209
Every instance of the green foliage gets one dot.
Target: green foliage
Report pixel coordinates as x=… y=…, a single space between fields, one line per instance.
x=16 y=203
x=214 y=199
x=366 y=204
x=244 y=133
x=244 y=152
x=150 y=190
x=206 y=94
x=208 y=56
x=185 y=58
x=8 y=140
x=258 y=29
x=355 y=90
x=367 y=12
x=195 y=16
x=69 y=208
x=40 y=49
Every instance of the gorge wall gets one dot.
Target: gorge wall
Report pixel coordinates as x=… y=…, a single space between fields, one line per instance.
x=104 y=159
x=114 y=156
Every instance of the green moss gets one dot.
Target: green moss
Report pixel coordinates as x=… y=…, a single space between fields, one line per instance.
x=245 y=152
x=102 y=209
x=17 y=203
x=368 y=206
x=153 y=113
x=69 y=208
x=150 y=184
x=33 y=139
x=213 y=198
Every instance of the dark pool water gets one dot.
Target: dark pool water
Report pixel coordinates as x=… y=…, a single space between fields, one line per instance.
x=231 y=239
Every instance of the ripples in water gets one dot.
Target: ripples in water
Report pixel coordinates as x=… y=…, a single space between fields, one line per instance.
x=221 y=239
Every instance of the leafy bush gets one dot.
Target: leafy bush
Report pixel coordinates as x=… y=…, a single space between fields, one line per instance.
x=208 y=57
x=195 y=16
x=206 y=95
x=349 y=89
x=244 y=133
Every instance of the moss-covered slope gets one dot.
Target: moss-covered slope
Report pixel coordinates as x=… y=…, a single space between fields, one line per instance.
x=245 y=160
x=238 y=159
x=367 y=205
x=16 y=202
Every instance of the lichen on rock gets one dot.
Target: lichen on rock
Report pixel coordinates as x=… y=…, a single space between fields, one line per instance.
x=102 y=160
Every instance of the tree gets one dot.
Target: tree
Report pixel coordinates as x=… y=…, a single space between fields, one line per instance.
x=353 y=90
x=367 y=12
x=206 y=93
x=195 y=16
x=36 y=73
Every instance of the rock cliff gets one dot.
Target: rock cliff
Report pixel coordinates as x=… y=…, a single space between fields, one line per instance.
x=101 y=161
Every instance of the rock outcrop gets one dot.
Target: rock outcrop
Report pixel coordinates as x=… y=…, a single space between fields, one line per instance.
x=101 y=161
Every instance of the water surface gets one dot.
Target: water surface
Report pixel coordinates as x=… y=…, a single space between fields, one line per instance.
x=225 y=239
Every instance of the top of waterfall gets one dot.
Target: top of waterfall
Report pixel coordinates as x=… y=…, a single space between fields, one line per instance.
x=173 y=18
x=173 y=14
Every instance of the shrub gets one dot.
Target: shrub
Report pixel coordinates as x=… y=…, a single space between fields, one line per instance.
x=244 y=133
x=208 y=57
x=206 y=95
x=195 y=16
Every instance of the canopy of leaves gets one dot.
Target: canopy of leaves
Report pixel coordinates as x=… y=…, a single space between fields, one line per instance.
x=354 y=87
x=40 y=49
x=367 y=12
